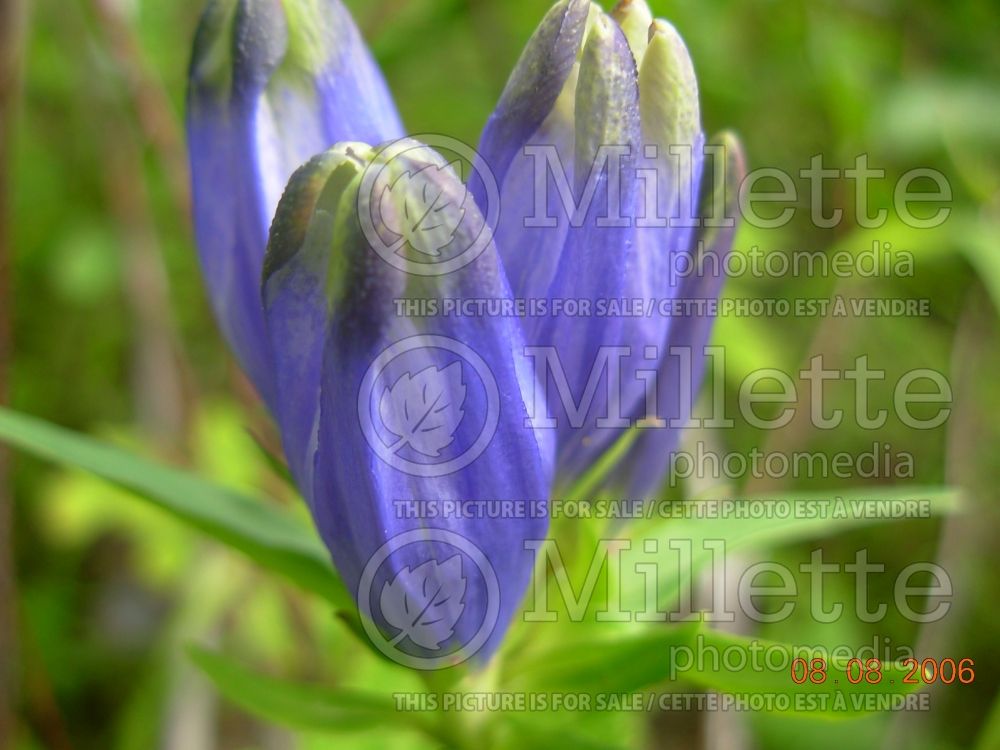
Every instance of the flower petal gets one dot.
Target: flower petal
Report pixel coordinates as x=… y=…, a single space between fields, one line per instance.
x=271 y=84
x=538 y=79
x=599 y=258
x=680 y=374
x=673 y=156
x=635 y=18
x=534 y=122
x=416 y=411
x=294 y=294
x=671 y=113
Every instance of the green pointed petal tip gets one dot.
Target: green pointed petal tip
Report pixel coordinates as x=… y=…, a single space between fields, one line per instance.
x=422 y=203
x=241 y=45
x=634 y=17
x=607 y=111
x=736 y=160
x=671 y=113
x=353 y=208
x=546 y=63
x=732 y=170
x=318 y=32
x=211 y=60
x=720 y=189
x=308 y=34
x=314 y=191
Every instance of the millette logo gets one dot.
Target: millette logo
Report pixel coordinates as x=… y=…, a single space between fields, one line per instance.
x=417 y=603
x=429 y=406
x=416 y=210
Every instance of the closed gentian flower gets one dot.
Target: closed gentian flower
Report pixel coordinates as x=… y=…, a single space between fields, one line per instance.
x=414 y=433
x=586 y=82
x=395 y=411
x=272 y=83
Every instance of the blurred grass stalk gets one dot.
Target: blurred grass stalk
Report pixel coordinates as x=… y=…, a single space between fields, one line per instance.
x=966 y=467
x=142 y=113
x=11 y=36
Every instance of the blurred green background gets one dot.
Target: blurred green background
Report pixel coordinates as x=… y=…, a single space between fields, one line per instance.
x=112 y=335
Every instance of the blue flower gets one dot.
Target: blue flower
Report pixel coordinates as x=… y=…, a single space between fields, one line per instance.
x=395 y=424
x=586 y=82
x=412 y=427
x=271 y=85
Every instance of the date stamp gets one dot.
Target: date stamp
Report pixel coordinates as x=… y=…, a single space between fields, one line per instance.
x=910 y=671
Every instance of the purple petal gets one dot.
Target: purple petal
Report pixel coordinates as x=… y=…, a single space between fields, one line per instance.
x=440 y=418
x=535 y=84
x=271 y=84
x=599 y=260
x=648 y=461
x=294 y=296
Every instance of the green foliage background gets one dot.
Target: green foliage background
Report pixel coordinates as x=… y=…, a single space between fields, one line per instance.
x=113 y=337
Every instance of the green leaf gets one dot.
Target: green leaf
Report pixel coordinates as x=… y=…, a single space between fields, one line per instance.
x=606 y=664
x=536 y=734
x=644 y=658
x=599 y=474
x=641 y=657
x=766 y=670
x=303 y=706
x=812 y=515
x=272 y=539
x=278 y=467
x=979 y=245
x=989 y=738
